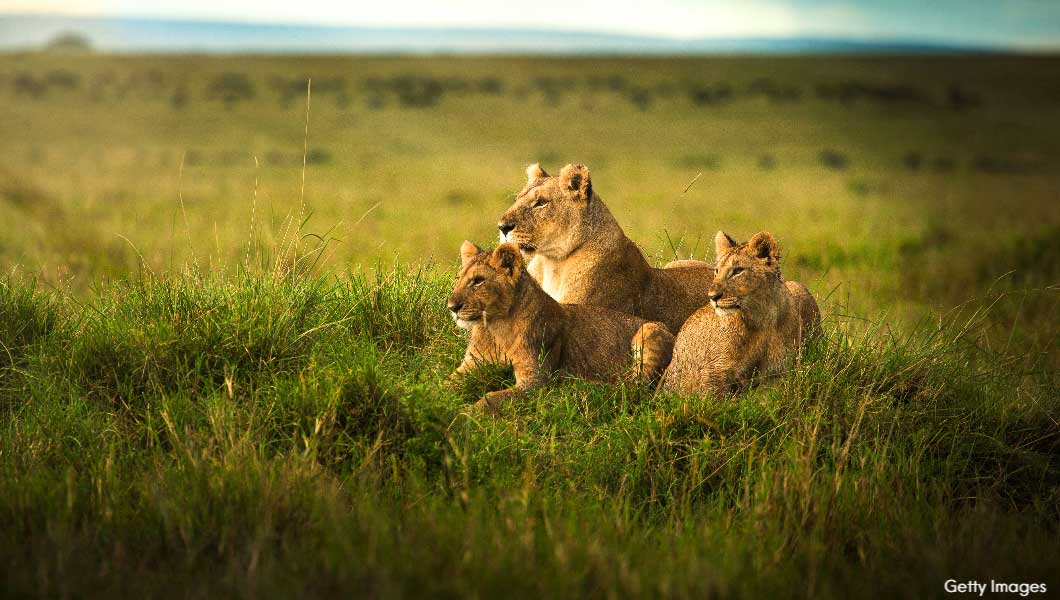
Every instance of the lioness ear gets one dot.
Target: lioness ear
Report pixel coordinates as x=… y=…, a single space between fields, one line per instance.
x=467 y=252
x=535 y=172
x=763 y=247
x=722 y=244
x=508 y=259
x=575 y=179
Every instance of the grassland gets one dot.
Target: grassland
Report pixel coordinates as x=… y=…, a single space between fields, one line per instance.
x=182 y=413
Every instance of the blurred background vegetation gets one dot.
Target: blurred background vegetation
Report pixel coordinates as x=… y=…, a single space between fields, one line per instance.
x=898 y=186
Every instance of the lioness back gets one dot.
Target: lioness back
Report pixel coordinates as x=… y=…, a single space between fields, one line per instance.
x=603 y=344
x=676 y=293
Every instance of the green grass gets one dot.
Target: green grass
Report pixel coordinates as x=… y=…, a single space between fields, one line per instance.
x=248 y=435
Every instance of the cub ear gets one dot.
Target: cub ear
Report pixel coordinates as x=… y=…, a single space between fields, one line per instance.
x=575 y=179
x=468 y=251
x=763 y=247
x=508 y=259
x=723 y=244
x=535 y=172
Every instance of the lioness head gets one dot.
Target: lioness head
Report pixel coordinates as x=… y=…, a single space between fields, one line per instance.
x=549 y=213
x=485 y=285
x=746 y=274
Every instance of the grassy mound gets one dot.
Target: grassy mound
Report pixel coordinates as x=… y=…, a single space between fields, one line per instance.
x=254 y=436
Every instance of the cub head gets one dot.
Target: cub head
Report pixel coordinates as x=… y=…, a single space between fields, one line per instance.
x=485 y=285
x=747 y=274
x=549 y=214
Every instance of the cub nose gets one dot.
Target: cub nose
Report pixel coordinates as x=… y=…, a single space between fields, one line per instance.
x=714 y=295
x=455 y=306
x=505 y=227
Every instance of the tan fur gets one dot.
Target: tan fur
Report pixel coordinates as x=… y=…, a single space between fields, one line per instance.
x=578 y=253
x=513 y=321
x=754 y=323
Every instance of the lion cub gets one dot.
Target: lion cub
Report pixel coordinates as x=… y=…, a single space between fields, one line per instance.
x=512 y=320
x=754 y=321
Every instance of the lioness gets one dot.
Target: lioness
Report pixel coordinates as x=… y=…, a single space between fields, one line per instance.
x=579 y=255
x=754 y=322
x=513 y=321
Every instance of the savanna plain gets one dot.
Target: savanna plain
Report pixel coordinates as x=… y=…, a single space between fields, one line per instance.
x=225 y=345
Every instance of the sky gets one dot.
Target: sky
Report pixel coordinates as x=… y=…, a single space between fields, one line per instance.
x=1018 y=23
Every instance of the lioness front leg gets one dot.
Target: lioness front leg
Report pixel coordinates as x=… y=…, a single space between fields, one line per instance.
x=652 y=347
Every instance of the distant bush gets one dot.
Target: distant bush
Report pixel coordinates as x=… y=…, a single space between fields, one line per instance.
x=231 y=88
x=640 y=97
x=848 y=92
x=317 y=156
x=69 y=42
x=943 y=164
x=28 y=85
x=417 y=92
x=913 y=161
x=774 y=91
x=833 y=159
x=490 y=86
x=1001 y=165
x=700 y=161
x=706 y=95
x=960 y=99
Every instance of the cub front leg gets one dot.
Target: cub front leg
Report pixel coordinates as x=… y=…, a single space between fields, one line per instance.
x=528 y=375
x=480 y=349
x=466 y=365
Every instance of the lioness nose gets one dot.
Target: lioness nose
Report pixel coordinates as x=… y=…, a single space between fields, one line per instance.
x=714 y=295
x=505 y=227
x=455 y=306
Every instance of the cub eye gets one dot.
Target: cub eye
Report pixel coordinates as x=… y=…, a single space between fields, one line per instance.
x=736 y=271
x=477 y=281
x=540 y=202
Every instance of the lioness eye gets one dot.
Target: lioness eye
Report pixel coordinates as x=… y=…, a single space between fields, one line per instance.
x=736 y=271
x=477 y=281
x=540 y=202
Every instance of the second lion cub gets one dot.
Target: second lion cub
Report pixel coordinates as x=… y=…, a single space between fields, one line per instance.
x=512 y=320
x=755 y=321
